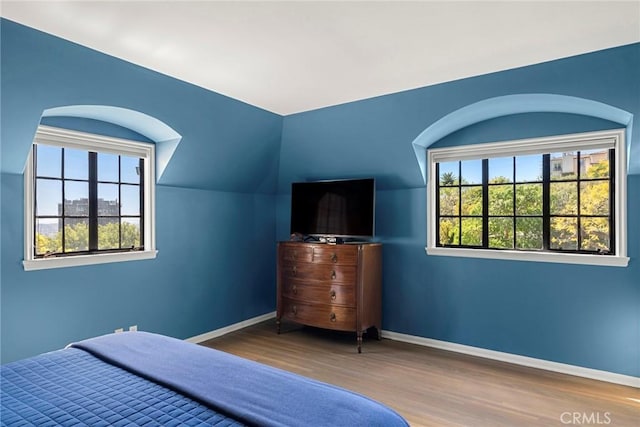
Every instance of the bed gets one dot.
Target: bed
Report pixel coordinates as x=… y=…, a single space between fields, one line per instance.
x=139 y=378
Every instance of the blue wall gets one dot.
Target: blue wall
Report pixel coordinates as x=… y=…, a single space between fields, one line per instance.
x=223 y=201
x=579 y=315
x=215 y=207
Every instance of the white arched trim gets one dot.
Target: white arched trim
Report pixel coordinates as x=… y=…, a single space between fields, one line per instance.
x=165 y=138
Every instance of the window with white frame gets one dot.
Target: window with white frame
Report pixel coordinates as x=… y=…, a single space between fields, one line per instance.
x=89 y=199
x=552 y=199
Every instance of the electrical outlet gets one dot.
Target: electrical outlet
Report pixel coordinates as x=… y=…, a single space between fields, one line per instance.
x=119 y=330
x=133 y=328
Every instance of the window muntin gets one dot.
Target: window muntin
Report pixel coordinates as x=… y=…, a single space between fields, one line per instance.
x=577 y=217
x=557 y=199
x=90 y=214
x=88 y=199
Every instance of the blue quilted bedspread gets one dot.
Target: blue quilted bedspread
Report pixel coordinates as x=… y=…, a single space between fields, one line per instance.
x=73 y=388
x=146 y=379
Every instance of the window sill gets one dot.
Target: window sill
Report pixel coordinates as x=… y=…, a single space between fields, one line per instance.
x=604 y=260
x=74 y=261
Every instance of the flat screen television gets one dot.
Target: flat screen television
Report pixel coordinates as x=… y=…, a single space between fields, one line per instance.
x=337 y=208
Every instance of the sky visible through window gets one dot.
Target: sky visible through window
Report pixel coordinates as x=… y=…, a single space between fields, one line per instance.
x=528 y=168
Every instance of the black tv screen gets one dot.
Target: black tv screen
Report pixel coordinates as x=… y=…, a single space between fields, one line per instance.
x=341 y=208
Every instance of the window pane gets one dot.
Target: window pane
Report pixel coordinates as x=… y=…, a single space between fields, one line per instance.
x=130 y=199
x=108 y=208
x=594 y=198
x=564 y=165
x=501 y=199
x=449 y=231
x=594 y=233
x=48 y=197
x=472 y=172
x=563 y=198
x=76 y=198
x=529 y=233
x=108 y=233
x=529 y=168
x=472 y=231
x=48 y=161
x=76 y=234
x=448 y=173
x=501 y=233
x=449 y=200
x=501 y=169
x=595 y=163
x=48 y=236
x=472 y=200
x=564 y=233
x=108 y=167
x=528 y=199
x=130 y=232
x=76 y=164
x=108 y=200
x=129 y=169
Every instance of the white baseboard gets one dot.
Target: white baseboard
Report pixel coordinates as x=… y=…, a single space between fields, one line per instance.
x=231 y=328
x=457 y=348
x=517 y=359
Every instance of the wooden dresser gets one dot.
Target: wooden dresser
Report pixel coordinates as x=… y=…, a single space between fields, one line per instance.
x=331 y=286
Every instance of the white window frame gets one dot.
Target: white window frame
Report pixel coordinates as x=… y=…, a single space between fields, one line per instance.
x=562 y=143
x=58 y=137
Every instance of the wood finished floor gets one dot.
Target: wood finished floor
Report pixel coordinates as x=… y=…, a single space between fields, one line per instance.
x=431 y=387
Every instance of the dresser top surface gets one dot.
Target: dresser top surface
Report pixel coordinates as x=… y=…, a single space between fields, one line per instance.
x=329 y=245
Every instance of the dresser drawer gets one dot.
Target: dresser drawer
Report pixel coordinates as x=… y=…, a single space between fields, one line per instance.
x=319 y=254
x=323 y=316
x=294 y=253
x=335 y=254
x=327 y=294
x=321 y=272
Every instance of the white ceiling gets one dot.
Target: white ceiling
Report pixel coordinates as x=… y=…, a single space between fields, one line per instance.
x=294 y=56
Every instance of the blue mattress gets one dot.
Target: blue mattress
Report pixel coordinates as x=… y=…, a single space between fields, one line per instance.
x=147 y=379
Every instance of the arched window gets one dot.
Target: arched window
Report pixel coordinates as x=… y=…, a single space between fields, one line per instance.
x=472 y=212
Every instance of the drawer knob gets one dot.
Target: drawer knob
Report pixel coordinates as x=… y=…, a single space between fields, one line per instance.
x=294 y=289
x=333 y=295
x=295 y=270
x=294 y=310
x=334 y=257
x=333 y=275
x=332 y=317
